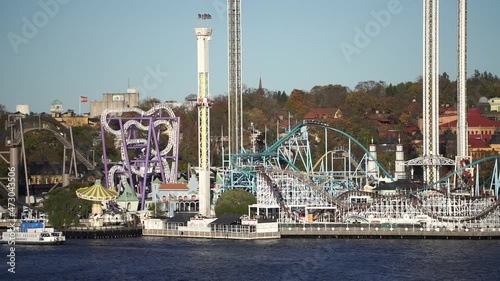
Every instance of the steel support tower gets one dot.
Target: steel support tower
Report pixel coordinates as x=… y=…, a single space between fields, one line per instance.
x=235 y=105
x=462 y=136
x=203 y=35
x=431 y=159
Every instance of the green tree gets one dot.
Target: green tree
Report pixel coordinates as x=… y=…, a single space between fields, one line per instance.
x=329 y=96
x=280 y=97
x=235 y=201
x=43 y=146
x=64 y=208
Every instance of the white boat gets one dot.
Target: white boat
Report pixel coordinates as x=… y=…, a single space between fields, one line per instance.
x=33 y=231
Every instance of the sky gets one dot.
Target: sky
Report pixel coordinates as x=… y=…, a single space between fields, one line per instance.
x=64 y=49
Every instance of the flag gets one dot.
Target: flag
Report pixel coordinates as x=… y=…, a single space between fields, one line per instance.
x=204 y=16
x=83 y=99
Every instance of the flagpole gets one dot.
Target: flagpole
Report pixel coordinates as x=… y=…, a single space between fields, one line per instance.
x=80 y=106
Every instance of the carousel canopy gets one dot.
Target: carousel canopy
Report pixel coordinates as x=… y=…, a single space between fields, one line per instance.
x=97 y=192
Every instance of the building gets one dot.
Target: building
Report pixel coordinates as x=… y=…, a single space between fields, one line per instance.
x=447 y=115
x=494 y=142
x=477 y=125
x=323 y=114
x=176 y=197
x=494 y=104
x=69 y=119
x=128 y=199
x=56 y=108
x=484 y=105
x=23 y=109
x=480 y=131
x=114 y=101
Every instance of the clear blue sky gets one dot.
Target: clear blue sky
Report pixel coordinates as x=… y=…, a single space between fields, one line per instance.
x=90 y=47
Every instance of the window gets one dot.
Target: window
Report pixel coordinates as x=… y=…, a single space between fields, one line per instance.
x=118 y=97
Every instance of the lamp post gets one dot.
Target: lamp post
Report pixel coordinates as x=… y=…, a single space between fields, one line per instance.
x=252 y=136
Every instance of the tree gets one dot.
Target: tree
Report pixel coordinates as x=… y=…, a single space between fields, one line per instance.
x=42 y=147
x=235 y=201
x=280 y=97
x=359 y=104
x=329 y=96
x=371 y=87
x=148 y=103
x=297 y=104
x=64 y=208
x=188 y=149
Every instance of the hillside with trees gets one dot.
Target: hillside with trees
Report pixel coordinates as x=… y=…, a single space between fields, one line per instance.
x=270 y=110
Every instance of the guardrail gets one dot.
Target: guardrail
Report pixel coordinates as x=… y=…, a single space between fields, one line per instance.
x=211 y=234
x=99 y=228
x=378 y=231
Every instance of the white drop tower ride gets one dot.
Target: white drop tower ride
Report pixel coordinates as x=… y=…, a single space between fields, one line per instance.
x=203 y=35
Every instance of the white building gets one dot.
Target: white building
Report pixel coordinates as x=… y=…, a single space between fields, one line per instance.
x=115 y=101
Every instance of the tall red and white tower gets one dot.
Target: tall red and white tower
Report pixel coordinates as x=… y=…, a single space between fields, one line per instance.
x=203 y=35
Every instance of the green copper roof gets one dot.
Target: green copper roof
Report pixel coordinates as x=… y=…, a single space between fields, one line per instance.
x=128 y=195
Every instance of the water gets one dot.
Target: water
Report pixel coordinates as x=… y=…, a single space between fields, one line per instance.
x=159 y=258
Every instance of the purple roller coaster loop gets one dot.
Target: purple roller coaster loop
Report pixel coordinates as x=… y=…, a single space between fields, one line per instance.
x=145 y=160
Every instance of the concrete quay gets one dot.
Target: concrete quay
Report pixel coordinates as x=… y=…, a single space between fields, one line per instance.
x=323 y=231
x=340 y=232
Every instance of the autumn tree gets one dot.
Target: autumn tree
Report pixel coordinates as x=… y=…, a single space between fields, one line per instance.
x=371 y=87
x=148 y=103
x=359 y=104
x=188 y=149
x=297 y=104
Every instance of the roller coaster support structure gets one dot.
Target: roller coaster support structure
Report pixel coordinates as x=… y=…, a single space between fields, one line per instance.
x=140 y=138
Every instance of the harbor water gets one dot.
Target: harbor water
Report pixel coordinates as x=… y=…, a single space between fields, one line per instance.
x=159 y=258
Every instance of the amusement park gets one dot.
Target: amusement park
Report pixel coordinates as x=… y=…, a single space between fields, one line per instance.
x=312 y=178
